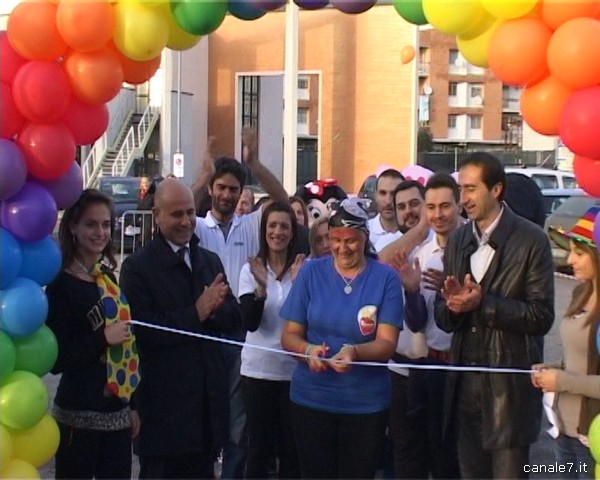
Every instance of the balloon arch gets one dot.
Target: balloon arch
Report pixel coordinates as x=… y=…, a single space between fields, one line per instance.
x=63 y=60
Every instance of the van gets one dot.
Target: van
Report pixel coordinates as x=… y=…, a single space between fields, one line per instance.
x=546 y=177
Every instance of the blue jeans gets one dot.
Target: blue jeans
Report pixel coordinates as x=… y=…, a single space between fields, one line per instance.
x=575 y=456
x=234 y=453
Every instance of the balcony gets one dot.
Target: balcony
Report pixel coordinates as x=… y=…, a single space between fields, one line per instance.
x=423 y=69
x=511 y=104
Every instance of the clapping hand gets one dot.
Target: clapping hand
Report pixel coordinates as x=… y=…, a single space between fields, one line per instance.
x=433 y=279
x=410 y=273
x=259 y=272
x=295 y=267
x=462 y=298
x=212 y=298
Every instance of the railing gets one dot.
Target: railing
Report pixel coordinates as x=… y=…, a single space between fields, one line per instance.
x=92 y=164
x=136 y=139
x=136 y=229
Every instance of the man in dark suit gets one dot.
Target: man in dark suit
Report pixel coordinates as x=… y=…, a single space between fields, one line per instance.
x=182 y=398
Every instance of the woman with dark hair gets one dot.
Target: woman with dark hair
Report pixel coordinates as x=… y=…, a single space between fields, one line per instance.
x=299 y=208
x=577 y=381
x=265 y=282
x=342 y=308
x=97 y=355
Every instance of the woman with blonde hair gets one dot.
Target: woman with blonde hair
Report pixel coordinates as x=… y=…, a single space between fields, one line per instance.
x=318 y=238
x=577 y=382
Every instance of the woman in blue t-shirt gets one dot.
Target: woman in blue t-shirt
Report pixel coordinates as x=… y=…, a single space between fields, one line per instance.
x=343 y=308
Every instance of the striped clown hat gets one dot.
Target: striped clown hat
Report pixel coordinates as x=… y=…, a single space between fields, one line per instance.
x=583 y=231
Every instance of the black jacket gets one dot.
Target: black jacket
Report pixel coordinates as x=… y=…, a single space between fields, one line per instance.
x=183 y=395
x=517 y=309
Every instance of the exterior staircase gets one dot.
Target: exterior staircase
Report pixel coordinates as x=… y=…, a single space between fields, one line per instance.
x=117 y=159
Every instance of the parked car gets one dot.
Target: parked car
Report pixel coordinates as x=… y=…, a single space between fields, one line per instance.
x=546 y=177
x=565 y=217
x=555 y=197
x=125 y=193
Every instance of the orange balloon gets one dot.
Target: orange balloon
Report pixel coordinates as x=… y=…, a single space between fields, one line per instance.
x=95 y=77
x=574 y=53
x=517 y=51
x=32 y=31
x=556 y=13
x=407 y=54
x=86 y=25
x=542 y=103
x=136 y=72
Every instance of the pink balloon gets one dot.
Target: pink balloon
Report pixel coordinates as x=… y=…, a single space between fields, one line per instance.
x=41 y=91
x=86 y=122
x=579 y=125
x=418 y=173
x=11 y=120
x=11 y=60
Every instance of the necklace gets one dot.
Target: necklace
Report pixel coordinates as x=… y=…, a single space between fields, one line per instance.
x=84 y=269
x=348 y=287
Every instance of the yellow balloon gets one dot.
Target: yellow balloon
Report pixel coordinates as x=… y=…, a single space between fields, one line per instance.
x=179 y=39
x=475 y=50
x=597 y=471
x=19 y=469
x=453 y=16
x=6 y=447
x=509 y=9
x=38 y=444
x=140 y=32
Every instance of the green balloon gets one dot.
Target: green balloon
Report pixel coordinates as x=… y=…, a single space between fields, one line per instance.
x=594 y=438
x=23 y=400
x=7 y=356
x=199 y=17
x=411 y=11
x=36 y=353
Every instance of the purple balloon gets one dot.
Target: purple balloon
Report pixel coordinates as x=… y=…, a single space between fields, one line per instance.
x=311 y=4
x=353 y=6
x=30 y=215
x=597 y=231
x=67 y=188
x=268 y=4
x=13 y=169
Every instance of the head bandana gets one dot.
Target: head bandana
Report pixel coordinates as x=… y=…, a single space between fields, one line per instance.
x=351 y=213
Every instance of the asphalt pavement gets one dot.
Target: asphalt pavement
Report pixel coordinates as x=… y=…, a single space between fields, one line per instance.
x=542 y=452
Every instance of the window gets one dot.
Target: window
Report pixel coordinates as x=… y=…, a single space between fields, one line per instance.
x=452 y=121
x=302 y=82
x=475 y=122
x=453 y=58
x=452 y=89
x=476 y=90
x=303 y=116
x=250 y=87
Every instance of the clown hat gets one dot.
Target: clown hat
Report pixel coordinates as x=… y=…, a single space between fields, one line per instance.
x=583 y=231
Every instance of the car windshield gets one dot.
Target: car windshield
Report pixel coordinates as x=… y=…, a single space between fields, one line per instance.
x=121 y=190
x=575 y=206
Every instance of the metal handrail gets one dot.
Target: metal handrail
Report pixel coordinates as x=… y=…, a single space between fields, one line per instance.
x=92 y=164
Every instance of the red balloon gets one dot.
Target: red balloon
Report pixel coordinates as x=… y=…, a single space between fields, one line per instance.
x=579 y=125
x=11 y=120
x=41 y=91
x=11 y=60
x=86 y=122
x=587 y=173
x=49 y=149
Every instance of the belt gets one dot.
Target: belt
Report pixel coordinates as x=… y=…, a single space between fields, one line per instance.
x=440 y=355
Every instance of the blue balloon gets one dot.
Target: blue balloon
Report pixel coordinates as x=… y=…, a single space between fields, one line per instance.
x=244 y=10
x=23 y=308
x=10 y=258
x=41 y=260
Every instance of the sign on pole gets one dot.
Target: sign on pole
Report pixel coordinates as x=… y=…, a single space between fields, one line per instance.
x=178 y=165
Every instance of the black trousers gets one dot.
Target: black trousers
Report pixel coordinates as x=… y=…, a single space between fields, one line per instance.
x=191 y=465
x=86 y=453
x=474 y=460
x=269 y=425
x=416 y=425
x=335 y=445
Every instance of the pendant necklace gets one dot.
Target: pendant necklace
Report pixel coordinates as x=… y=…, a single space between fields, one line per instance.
x=348 y=287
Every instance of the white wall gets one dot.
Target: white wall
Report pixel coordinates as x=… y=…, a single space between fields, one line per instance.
x=270 y=118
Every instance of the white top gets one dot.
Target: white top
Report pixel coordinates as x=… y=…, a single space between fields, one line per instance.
x=259 y=363
x=482 y=257
x=408 y=341
x=242 y=242
x=379 y=237
x=430 y=256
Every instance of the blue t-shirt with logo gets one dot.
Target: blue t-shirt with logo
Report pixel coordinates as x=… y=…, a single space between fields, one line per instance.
x=317 y=300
